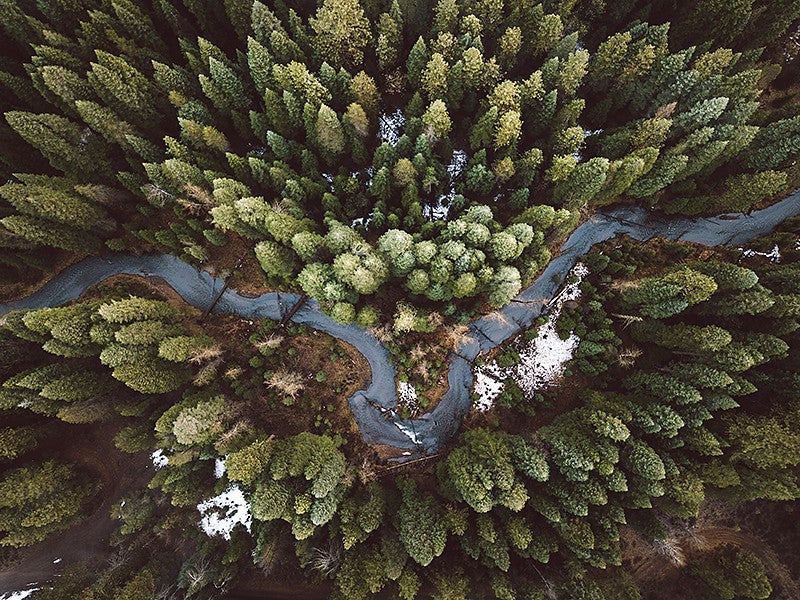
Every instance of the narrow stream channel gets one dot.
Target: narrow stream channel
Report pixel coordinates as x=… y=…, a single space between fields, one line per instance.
x=373 y=407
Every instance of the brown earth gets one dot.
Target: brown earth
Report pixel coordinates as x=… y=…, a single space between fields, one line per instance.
x=92 y=449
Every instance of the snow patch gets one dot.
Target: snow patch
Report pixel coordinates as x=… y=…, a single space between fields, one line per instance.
x=159 y=459
x=406 y=393
x=363 y=221
x=390 y=125
x=438 y=211
x=457 y=164
x=219 y=467
x=773 y=255
x=407 y=427
x=441 y=209
x=542 y=359
x=220 y=514
x=487 y=387
x=19 y=595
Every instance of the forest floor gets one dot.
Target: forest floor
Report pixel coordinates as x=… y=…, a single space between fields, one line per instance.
x=87 y=541
x=254 y=585
x=248 y=278
x=663 y=571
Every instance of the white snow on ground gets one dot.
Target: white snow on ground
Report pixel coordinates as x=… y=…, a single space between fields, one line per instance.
x=437 y=212
x=542 y=359
x=409 y=431
x=773 y=255
x=219 y=467
x=487 y=387
x=457 y=164
x=454 y=169
x=159 y=459
x=220 y=514
x=406 y=397
x=18 y=595
x=389 y=126
x=406 y=393
x=364 y=221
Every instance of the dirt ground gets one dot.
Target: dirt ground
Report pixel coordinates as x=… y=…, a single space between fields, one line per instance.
x=86 y=541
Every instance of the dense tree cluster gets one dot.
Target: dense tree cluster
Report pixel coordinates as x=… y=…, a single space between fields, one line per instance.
x=359 y=148
x=402 y=154
x=142 y=343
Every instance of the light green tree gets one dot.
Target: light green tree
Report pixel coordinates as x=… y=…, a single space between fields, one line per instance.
x=342 y=32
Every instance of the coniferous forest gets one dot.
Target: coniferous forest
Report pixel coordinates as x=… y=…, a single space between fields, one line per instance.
x=400 y=170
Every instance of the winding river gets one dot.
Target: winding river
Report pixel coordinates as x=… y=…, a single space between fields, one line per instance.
x=373 y=408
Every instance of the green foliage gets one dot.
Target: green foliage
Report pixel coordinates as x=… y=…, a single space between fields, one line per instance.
x=300 y=479
x=150 y=377
x=185 y=127
x=137 y=309
x=482 y=471
x=195 y=421
x=16 y=441
x=342 y=32
x=420 y=526
x=665 y=296
x=39 y=499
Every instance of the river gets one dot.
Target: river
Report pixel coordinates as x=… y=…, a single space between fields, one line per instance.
x=373 y=407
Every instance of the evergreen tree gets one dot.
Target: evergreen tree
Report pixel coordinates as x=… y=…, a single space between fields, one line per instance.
x=342 y=32
x=39 y=499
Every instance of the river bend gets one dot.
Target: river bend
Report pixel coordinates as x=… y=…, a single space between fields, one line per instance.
x=373 y=407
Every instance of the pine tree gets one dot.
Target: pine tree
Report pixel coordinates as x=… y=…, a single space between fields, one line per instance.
x=17 y=441
x=63 y=143
x=419 y=525
x=416 y=62
x=123 y=87
x=342 y=32
x=434 y=77
x=438 y=119
x=39 y=499
x=329 y=133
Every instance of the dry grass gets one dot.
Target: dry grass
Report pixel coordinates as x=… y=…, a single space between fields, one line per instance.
x=207 y=374
x=287 y=382
x=210 y=354
x=627 y=320
x=273 y=341
x=626 y=357
x=457 y=337
x=671 y=549
x=233 y=373
x=367 y=473
x=620 y=285
x=200 y=195
x=153 y=192
x=422 y=370
x=269 y=556
x=417 y=353
x=497 y=317
x=382 y=333
x=326 y=560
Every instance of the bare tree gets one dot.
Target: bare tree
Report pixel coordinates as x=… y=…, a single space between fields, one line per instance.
x=287 y=382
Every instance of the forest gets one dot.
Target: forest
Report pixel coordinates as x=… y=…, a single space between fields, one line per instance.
x=260 y=261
